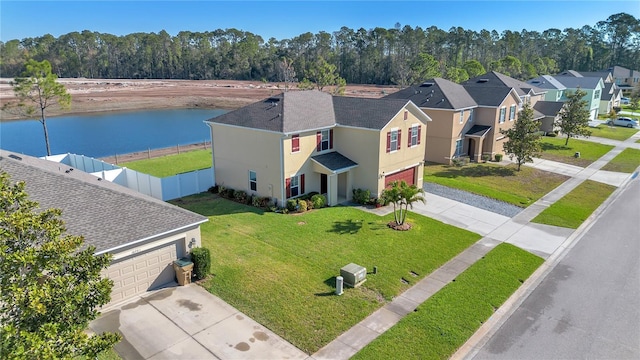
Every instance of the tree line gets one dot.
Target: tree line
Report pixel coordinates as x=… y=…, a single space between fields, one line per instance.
x=400 y=55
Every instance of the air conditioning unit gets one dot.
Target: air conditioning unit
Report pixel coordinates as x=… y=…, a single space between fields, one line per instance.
x=354 y=275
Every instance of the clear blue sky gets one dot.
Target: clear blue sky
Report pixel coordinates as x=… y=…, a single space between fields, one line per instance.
x=286 y=19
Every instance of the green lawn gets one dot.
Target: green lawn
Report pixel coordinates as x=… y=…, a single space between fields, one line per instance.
x=445 y=321
x=612 y=132
x=172 y=164
x=521 y=188
x=280 y=269
x=627 y=161
x=575 y=207
x=553 y=148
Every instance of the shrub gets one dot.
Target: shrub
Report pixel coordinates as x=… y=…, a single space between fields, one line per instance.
x=228 y=193
x=302 y=205
x=458 y=162
x=498 y=157
x=319 y=201
x=552 y=134
x=240 y=196
x=214 y=189
x=485 y=157
x=292 y=204
x=361 y=196
x=201 y=258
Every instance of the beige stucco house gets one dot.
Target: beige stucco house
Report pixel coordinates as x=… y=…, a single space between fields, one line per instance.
x=143 y=234
x=467 y=118
x=309 y=141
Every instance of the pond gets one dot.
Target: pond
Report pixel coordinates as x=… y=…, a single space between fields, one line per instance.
x=101 y=135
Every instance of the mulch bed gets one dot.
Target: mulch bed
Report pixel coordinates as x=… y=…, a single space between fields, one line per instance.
x=395 y=226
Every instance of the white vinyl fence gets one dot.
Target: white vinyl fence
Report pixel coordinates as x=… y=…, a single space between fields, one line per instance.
x=168 y=188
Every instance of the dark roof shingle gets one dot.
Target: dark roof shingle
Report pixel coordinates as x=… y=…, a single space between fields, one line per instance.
x=334 y=161
x=366 y=113
x=436 y=93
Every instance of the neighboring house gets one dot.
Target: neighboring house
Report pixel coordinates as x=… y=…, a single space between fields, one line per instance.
x=606 y=75
x=611 y=95
x=143 y=234
x=558 y=86
x=626 y=79
x=308 y=141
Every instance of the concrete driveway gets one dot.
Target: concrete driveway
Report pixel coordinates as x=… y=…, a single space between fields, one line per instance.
x=187 y=322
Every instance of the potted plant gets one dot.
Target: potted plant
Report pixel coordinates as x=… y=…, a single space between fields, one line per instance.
x=379 y=202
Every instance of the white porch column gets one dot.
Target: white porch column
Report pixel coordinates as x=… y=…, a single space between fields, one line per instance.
x=332 y=189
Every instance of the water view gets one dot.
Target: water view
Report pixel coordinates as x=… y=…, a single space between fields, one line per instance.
x=103 y=135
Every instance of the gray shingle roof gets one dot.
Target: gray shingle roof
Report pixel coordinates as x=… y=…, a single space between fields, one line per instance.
x=547 y=82
x=478 y=130
x=582 y=82
x=494 y=78
x=334 y=161
x=548 y=108
x=436 y=93
x=488 y=95
x=619 y=72
x=608 y=92
x=106 y=214
x=289 y=112
x=366 y=113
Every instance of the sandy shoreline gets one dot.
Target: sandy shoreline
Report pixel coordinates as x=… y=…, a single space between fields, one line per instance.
x=91 y=96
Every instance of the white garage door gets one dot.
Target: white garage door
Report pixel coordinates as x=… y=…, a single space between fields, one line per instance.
x=144 y=271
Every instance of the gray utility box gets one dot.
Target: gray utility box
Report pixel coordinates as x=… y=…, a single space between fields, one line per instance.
x=353 y=275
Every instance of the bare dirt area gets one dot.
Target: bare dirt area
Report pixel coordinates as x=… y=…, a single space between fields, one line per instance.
x=105 y=95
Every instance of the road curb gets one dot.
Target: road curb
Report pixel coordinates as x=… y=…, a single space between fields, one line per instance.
x=473 y=345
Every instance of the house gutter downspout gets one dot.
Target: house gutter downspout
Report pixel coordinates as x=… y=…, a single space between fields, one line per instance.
x=282 y=176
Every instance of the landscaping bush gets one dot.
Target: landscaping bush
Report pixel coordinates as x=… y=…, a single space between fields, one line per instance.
x=201 y=258
x=302 y=205
x=318 y=201
x=459 y=162
x=241 y=196
x=214 y=189
x=485 y=157
x=498 y=157
x=361 y=196
x=228 y=193
x=292 y=204
x=552 y=134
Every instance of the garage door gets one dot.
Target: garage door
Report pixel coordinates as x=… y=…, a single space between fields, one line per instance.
x=144 y=271
x=407 y=175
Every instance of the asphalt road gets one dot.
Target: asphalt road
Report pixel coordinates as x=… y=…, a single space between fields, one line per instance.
x=588 y=307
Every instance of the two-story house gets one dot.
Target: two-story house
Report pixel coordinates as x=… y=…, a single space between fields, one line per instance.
x=309 y=141
x=558 y=86
x=626 y=79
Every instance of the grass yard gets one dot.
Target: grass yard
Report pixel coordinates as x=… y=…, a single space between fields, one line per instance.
x=280 y=269
x=627 y=161
x=553 y=148
x=170 y=165
x=521 y=188
x=575 y=207
x=445 y=321
x=611 y=132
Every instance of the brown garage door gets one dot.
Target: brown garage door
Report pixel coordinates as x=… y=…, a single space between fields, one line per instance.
x=407 y=175
x=144 y=271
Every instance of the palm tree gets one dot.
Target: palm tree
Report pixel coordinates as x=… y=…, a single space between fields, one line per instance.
x=402 y=196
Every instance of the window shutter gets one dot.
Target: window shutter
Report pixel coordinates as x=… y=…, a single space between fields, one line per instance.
x=419 y=131
x=399 y=139
x=410 y=136
x=287 y=183
x=331 y=139
x=318 y=141
x=389 y=141
x=302 y=184
x=406 y=114
x=295 y=143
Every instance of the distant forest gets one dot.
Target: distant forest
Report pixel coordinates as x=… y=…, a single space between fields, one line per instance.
x=400 y=55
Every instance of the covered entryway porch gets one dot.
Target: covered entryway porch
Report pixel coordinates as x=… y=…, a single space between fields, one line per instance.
x=475 y=141
x=335 y=176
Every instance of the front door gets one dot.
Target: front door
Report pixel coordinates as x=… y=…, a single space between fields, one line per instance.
x=323 y=183
x=471 y=150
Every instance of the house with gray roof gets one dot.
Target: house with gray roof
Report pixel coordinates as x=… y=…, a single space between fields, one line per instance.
x=144 y=235
x=626 y=79
x=558 y=86
x=299 y=142
x=605 y=75
x=467 y=118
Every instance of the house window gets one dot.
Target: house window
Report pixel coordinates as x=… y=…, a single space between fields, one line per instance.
x=295 y=185
x=324 y=140
x=406 y=114
x=512 y=112
x=596 y=95
x=253 y=182
x=393 y=140
x=470 y=115
x=461 y=116
x=414 y=135
x=503 y=112
x=295 y=143
x=459 y=144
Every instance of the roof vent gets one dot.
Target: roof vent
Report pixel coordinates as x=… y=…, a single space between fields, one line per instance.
x=16 y=157
x=427 y=84
x=535 y=82
x=483 y=80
